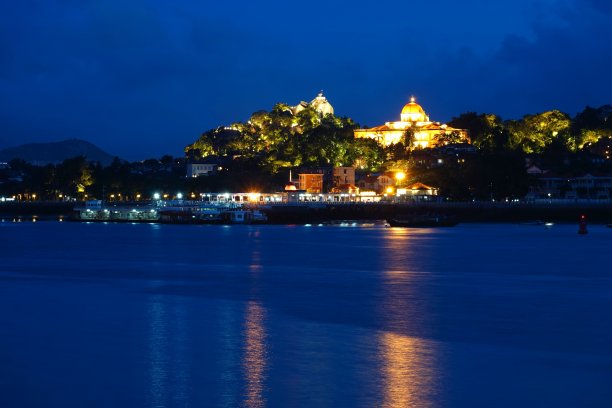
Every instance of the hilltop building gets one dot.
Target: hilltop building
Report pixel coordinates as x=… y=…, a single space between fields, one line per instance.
x=412 y=117
x=319 y=103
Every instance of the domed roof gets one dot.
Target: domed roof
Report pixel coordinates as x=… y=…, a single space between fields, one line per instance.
x=322 y=105
x=413 y=112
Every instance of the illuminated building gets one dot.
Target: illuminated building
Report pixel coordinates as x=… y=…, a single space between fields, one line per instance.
x=344 y=180
x=412 y=117
x=379 y=183
x=311 y=182
x=319 y=104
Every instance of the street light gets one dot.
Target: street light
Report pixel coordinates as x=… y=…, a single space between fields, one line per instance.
x=399 y=176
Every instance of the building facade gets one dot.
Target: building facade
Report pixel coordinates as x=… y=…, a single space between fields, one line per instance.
x=198 y=169
x=311 y=182
x=412 y=118
x=343 y=176
x=588 y=186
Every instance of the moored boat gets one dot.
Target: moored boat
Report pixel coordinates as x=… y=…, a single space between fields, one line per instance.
x=244 y=216
x=423 y=221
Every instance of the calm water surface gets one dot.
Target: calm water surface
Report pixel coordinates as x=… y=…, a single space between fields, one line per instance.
x=120 y=315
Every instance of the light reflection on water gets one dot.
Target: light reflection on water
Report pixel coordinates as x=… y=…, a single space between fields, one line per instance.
x=169 y=364
x=255 y=355
x=408 y=377
x=408 y=368
x=293 y=316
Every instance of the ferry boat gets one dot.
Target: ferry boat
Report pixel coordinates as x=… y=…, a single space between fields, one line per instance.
x=172 y=214
x=94 y=210
x=207 y=215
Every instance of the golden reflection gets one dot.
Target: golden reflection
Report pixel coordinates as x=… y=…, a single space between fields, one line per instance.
x=406 y=373
x=255 y=355
x=408 y=369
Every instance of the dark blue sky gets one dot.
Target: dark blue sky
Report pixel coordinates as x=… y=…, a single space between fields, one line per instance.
x=145 y=77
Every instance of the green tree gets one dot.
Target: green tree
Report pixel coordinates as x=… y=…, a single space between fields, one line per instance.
x=445 y=138
x=408 y=138
x=534 y=132
x=485 y=130
x=74 y=176
x=366 y=154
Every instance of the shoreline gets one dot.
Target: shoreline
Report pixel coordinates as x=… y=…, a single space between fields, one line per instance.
x=323 y=212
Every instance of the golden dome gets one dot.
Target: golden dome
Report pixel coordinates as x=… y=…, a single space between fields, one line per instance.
x=413 y=112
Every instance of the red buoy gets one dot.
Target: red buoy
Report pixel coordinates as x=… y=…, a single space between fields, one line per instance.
x=582 y=228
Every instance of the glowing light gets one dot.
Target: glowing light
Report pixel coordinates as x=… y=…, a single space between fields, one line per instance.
x=400 y=175
x=179 y=196
x=253 y=196
x=156 y=196
x=389 y=190
x=255 y=360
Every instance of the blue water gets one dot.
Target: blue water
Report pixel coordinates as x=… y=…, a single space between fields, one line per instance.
x=121 y=315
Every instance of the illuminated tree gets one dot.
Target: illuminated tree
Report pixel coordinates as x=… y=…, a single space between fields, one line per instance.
x=366 y=154
x=534 y=132
x=445 y=138
x=408 y=138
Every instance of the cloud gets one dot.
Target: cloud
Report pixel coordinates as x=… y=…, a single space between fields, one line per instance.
x=150 y=76
x=602 y=5
x=563 y=66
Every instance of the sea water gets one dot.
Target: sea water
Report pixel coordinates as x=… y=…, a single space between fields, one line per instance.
x=344 y=315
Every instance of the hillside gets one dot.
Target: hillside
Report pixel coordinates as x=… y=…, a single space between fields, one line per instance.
x=56 y=152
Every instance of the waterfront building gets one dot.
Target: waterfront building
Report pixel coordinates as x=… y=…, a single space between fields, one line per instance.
x=418 y=192
x=587 y=186
x=343 y=175
x=412 y=118
x=379 y=183
x=311 y=182
x=343 y=180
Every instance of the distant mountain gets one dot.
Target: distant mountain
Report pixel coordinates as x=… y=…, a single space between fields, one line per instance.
x=56 y=152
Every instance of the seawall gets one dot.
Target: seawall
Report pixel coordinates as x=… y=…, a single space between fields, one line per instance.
x=323 y=212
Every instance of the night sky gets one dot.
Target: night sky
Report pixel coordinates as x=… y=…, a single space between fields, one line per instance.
x=144 y=78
